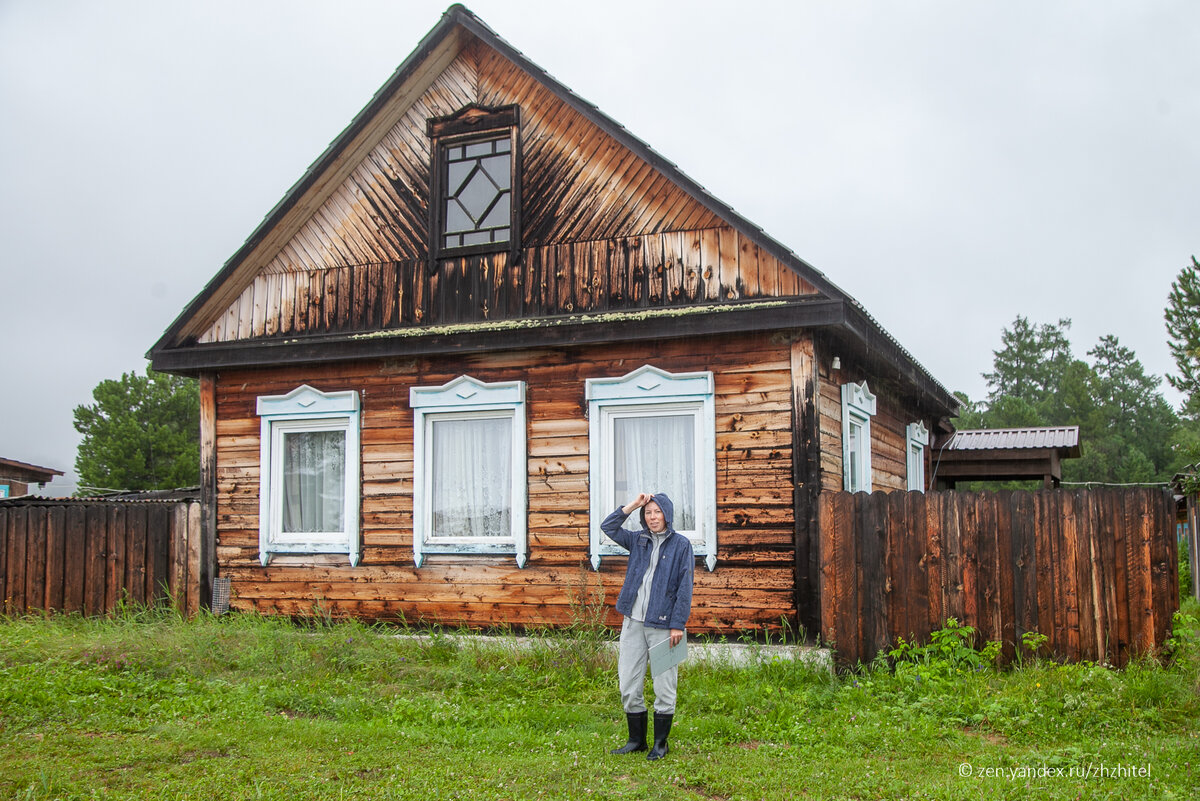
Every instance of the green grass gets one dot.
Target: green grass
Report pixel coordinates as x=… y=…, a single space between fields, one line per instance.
x=148 y=706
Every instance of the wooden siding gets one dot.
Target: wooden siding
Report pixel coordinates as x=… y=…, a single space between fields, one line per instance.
x=651 y=271
x=89 y=557
x=602 y=230
x=1095 y=571
x=752 y=587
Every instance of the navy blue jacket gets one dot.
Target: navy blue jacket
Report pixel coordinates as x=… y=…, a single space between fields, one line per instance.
x=670 y=602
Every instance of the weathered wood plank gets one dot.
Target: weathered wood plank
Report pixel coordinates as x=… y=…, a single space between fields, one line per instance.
x=195 y=585
x=177 y=556
x=95 y=569
x=5 y=598
x=15 y=598
x=35 y=576
x=74 y=559
x=1005 y=609
x=114 y=574
x=55 y=556
x=158 y=555
x=135 y=555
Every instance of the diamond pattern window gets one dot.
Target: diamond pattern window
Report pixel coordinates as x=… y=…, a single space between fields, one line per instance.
x=475 y=192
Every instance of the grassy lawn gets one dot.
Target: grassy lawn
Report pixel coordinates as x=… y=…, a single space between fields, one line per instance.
x=148 y=706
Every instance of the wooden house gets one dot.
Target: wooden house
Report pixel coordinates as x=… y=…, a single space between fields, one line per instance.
x=486 y=316
x=15 y=477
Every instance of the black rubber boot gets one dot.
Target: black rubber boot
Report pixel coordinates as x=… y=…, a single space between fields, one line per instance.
x=662 y=727
x=637 y=733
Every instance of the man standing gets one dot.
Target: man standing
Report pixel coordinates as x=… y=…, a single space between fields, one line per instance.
x=655 y=601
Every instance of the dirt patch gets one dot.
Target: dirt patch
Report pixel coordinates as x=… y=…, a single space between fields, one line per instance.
x=990 y=736
x=192 y=756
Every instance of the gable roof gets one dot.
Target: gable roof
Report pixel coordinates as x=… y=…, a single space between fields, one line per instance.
x=458 y=28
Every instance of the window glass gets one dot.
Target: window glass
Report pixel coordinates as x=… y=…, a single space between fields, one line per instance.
x=854 y=434
x=498 y=217
x=918 y=439
x=471 y=477
x=656 y=453
x=478 y=149
x=477 y=205
x=457 y=173
x=314 y=481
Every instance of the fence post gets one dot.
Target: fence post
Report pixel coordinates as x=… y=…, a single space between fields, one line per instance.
x=195 y=570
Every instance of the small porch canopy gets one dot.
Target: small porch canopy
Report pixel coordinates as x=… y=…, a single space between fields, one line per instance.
x=1005 y=454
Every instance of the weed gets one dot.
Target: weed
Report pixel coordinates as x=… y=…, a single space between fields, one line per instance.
x=1032 y=644
x=1186 y=579
x=1183 y=644
x=585 y=595
x=950 y=648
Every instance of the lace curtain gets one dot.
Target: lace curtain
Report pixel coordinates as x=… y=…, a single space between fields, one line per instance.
x=314 y=481
x=471 y=478
x=656 y=453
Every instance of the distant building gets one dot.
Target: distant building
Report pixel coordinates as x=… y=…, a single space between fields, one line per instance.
x=15 y=477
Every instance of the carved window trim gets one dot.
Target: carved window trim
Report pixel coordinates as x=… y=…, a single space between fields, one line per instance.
x=648 y=392
x=307 y=410
x=916 y=441
x=466 y=398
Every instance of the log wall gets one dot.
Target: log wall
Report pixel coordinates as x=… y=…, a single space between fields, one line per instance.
x=752 y=587
x=1094 y=571
x=89 y=557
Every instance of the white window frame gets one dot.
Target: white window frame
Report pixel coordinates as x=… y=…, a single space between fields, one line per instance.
x=858 y=407
x=306 y=409
x=651 y=391
x=916 y=441
x=461 y=399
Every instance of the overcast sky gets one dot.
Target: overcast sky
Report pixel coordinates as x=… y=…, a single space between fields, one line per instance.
x=950 y=164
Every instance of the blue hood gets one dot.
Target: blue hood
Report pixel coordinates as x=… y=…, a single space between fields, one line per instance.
x=667 y=507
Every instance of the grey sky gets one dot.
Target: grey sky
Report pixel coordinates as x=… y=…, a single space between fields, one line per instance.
x=951 y=165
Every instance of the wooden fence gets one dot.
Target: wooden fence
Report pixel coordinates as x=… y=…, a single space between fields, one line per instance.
x=84 y=556
x=1094 y=571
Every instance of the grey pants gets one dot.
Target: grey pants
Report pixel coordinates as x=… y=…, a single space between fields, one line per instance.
x=636 y=640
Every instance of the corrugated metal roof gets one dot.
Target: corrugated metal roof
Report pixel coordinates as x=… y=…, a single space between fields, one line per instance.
x=994 y=439
x=146 y=496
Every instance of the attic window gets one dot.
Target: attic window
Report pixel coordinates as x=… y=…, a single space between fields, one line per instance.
x=475 y=188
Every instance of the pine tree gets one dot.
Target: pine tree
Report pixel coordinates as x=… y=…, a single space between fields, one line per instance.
x=142 y=432
x=1182 y=317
